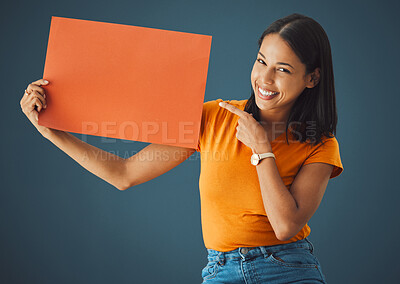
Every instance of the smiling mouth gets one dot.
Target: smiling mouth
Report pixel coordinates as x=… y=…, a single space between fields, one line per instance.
x=267 y=93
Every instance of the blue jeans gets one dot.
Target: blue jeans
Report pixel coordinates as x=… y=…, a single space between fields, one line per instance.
x=286 y=263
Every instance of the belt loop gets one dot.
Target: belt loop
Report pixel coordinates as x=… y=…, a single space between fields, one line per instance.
x=311 y=245
x=264 y=251
x=221 y=258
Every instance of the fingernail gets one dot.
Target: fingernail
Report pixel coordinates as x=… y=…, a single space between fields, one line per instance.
x=45 y=106
x=44 y=96
x=45 y=81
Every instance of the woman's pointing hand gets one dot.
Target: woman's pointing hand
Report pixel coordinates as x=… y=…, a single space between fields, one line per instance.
x=248 y=130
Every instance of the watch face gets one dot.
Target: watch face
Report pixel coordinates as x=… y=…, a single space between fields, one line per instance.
x=254 y=159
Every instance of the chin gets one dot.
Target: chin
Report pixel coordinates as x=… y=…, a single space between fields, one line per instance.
x=262 y=105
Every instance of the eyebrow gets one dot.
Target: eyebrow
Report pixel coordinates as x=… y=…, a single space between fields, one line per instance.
x=281 y=63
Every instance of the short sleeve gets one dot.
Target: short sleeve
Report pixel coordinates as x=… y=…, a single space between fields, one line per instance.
x=207 y=116
x=327 y=152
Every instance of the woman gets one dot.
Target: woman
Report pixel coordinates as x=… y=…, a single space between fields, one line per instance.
x=258 y=189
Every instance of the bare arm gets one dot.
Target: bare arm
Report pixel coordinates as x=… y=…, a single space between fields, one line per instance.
x=149 y=163
x=153 y=161
x=103 y=164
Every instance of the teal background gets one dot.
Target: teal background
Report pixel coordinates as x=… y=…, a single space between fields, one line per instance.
x=62 y=224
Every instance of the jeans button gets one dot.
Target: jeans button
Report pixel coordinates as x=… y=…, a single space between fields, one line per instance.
x=244 y=250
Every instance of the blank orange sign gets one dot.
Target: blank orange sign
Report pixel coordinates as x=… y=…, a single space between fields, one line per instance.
x=125 y=82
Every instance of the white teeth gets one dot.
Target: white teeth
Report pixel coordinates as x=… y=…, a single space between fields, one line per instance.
x=267 y=93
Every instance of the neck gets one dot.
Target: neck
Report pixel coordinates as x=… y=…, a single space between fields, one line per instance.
x=274 y=121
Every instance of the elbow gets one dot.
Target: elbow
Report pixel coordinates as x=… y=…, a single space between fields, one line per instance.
x=123 y=182
x=121 y=188
x=286 y=233
x=282 y=236
x=124 y=185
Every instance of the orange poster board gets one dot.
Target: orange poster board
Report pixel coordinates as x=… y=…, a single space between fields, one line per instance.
x=125 y=82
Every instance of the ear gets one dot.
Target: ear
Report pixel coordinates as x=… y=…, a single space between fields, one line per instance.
x=313 y=78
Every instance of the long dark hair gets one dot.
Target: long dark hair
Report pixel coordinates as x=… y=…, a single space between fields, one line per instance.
x=315 y=106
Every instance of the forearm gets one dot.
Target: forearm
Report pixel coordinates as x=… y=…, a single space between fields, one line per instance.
x=280 y=205
x=103 y=164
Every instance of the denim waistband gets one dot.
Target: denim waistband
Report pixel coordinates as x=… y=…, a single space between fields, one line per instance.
x=252 y=252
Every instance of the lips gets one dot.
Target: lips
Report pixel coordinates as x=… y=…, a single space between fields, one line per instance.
x=266 y=97
x=266 y=90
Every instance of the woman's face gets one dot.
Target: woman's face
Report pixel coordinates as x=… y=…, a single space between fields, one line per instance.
x=278 y=70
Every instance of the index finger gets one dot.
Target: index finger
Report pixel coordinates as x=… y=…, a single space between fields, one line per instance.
x=233 y=109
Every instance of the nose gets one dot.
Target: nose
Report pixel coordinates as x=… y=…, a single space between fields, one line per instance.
x=268 y=76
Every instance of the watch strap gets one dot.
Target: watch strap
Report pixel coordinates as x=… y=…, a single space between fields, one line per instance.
x=266 y=155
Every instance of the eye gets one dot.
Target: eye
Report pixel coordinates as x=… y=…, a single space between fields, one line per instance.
x=262 y=62
x=284 y=70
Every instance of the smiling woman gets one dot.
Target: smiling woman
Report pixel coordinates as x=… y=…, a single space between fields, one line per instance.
x=282 y=152
x=265 y=161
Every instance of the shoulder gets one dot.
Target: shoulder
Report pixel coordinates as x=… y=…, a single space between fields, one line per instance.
x=327 y=145
x=326 y=152
x=328 y=142
x=213 y=113
x=215 y=118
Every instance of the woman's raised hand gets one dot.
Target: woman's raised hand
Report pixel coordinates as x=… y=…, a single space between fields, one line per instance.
x=33 y=101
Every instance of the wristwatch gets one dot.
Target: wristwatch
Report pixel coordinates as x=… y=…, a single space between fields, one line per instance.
x=256 y=158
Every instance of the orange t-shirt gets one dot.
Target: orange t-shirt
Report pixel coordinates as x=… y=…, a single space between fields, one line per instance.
x=232 y=210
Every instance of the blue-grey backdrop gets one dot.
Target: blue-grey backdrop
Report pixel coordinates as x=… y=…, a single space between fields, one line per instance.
x=62 y=224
